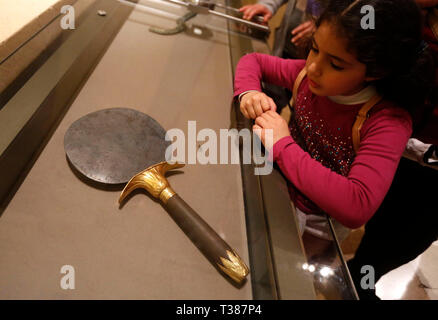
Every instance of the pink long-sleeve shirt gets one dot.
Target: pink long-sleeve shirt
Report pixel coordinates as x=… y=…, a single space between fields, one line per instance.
x=318 y=159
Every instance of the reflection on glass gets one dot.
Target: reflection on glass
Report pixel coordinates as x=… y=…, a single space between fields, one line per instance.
x=327 y=266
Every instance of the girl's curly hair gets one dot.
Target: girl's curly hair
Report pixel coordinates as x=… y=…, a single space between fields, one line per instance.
x=393 y=51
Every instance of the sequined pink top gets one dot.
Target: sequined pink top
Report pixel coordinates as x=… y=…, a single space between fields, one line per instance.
x=318 y=159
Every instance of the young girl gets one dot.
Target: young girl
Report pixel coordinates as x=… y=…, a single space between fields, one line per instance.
x=386 y=67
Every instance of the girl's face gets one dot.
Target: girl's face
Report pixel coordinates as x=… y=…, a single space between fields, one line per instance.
x=331 y=69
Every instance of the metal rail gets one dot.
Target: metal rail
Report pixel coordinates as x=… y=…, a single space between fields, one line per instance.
x=204 y=8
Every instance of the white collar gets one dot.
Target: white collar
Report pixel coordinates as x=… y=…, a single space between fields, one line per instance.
x=361 y=97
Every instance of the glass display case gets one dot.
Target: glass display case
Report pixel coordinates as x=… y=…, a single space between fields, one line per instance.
x=175 y=63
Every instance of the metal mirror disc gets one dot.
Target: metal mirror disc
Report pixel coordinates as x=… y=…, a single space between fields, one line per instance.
x=112 y=145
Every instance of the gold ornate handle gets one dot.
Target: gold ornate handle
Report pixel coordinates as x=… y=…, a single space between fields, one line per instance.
x=214 y=248
x=153 y=180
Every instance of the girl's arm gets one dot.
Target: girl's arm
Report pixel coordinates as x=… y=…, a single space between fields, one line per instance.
x=351 y=200
x=255 y=67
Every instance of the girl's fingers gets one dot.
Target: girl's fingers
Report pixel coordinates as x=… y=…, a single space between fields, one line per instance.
x=244 y=108
x=269 y=115
x=272 y=104
x=258 y=109
x=266 y=105
x=251 y=105
x=256 y=105
x=251 y=113
x=258 y=130
x=245 y=113
x=261 y=122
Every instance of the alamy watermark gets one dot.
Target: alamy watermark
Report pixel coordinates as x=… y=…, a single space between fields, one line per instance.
x=68 y=280
x=368 y=280
x=368 y=21
x=68 y=20
x=205 y=147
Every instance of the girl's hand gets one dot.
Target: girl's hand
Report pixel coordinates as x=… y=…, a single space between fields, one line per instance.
x=252 y=10
x=255 y=103
x=301 y=33
x=269 y=123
